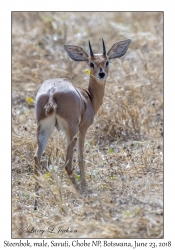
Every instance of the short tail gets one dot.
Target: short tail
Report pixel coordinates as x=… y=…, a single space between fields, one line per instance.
x=50 y=107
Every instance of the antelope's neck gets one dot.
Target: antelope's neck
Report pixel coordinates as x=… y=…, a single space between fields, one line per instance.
x=96 y=90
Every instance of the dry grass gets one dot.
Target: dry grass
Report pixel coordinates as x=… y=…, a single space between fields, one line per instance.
x=124 y=146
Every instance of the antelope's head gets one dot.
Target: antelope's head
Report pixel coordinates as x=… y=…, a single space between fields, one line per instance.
x=98 y=63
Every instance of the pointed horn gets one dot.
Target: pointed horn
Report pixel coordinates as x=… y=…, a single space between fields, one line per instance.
x=90 y=48
x=104 y=49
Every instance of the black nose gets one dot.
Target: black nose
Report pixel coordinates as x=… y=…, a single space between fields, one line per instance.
x=101 y=74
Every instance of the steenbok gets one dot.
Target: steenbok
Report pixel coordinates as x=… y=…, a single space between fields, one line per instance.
x=72 y=109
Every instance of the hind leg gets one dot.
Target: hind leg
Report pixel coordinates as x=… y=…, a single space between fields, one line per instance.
x=44 y=130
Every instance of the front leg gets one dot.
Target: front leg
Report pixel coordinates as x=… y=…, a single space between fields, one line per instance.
x=72 y=139
x=81 y=158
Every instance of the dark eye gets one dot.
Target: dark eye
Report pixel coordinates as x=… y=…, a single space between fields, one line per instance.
x=107 y=63
x=91 y=65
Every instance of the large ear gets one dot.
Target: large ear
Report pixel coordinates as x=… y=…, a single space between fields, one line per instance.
x=118 y=49
x=76 y=53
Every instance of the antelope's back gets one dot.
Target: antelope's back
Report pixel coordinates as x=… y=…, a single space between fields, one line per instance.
x=59 y=96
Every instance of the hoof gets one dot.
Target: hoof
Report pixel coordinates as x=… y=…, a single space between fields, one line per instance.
x=36 y=205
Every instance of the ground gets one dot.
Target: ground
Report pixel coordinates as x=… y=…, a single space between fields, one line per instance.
x=124 y=146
